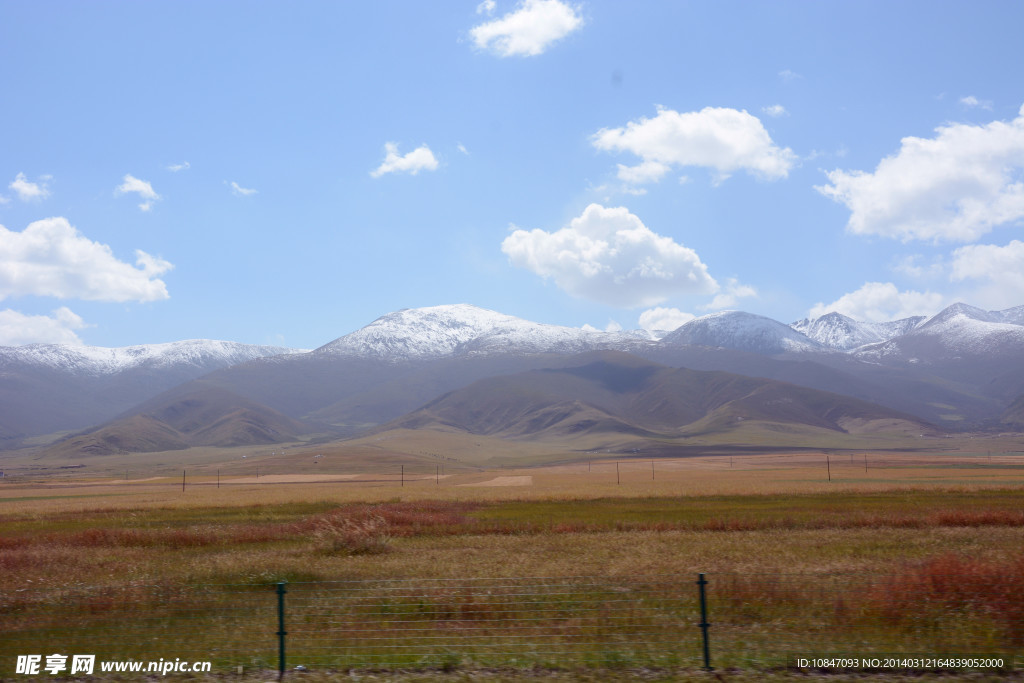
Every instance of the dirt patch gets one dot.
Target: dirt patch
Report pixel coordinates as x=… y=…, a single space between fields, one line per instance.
x=291 y=478
x=523 y=480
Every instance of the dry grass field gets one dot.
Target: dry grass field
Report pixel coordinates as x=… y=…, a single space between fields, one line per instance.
x=888 y=533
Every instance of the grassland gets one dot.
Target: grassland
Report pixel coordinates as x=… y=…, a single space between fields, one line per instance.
x=793 y=543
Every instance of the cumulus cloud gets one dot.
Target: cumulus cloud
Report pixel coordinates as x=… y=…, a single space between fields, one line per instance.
x=775 y=110
x=17 y=329
x=881 y=302
x=734 y=291
x=174 y=168
x=51 y=258
x=240 y=191
x=28 y=191
x=608 y=255
x=142 y=188
x=664 y=319
x=420 y=159
x=528 y=30
x=998 y=270
x=726 y=140
x=956 y=186
x=486 y=7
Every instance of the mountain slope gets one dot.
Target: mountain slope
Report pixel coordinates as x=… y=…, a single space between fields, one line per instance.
x=742 y=332
x=618 y=393
x=46 y=388
x=465 y=330
x=181 y=419
x=837 y=331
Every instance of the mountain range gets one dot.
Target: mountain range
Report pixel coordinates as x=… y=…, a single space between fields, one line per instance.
x=962 y=369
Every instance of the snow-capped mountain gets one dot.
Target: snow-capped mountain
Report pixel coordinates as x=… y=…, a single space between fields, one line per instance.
x=46 y=388
x=958 y=330
x=742 y=332
x=202 y=354
x=837 y=331
x=465 y=330
x=962 y=366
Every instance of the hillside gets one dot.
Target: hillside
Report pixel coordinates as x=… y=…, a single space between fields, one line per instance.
x=616 y=393
x=179 y=420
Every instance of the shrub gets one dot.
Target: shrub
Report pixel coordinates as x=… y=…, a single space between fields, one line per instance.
x=346 y=536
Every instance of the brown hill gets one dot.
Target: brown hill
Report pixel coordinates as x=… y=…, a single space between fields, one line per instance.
x=201 y=416
x=612 y=392
x=1013 y=417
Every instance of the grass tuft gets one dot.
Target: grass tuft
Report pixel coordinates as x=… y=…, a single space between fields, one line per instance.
x=347 y=536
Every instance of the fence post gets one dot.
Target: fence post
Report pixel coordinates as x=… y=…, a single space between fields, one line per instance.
x=701 y=582
x=281 y=633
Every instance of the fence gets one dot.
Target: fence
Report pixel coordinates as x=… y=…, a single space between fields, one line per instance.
x=756 y=621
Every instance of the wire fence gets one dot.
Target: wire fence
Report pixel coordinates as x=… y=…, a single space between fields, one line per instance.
x=632 y=466
x=748 y=621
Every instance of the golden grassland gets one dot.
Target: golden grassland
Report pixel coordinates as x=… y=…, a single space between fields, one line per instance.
x=655 y=516
x=911 y=516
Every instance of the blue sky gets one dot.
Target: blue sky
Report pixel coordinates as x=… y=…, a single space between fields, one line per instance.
x=285 y=173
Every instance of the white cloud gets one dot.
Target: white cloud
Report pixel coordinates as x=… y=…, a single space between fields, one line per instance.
x=183 y=166
x=17 y=329
x=911 y=266
x=241 y=191
x=665 y=319
x=881 y=302
x=28 y=191
x=775 y=110
x=1000 y=270
x=734 y=291
x=646 y=172
x=723 y=139
x=51 y=258
x=4 y=200
x=529 y=30
x=486 y=7
x=789 y=76
x=462 y=148
x=956 y=186
x=608 y=255
x=972 y=101
x=142 y=188
x=415 y=161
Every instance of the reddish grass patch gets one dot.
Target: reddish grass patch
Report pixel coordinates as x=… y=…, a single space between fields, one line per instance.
x=404 y=519
x=951 y=584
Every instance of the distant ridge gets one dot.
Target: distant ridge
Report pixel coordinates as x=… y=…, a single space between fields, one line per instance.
x=211 y=417
x=613 y=393
x=961 y=368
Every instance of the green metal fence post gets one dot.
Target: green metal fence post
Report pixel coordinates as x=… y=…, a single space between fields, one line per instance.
x=701 y=582
x=281 y=633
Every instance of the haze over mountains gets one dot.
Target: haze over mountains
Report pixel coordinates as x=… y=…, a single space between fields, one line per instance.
x=962 y=369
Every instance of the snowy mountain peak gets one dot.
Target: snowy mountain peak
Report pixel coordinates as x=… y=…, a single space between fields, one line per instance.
x=961 y=311
x=462 y=329
x=956 y=330
x=743 y=332
x=843 y=333
x=99 y=360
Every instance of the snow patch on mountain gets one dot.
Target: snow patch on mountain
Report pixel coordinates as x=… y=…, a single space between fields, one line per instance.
x=98 y=360
x=959 y=329
x=744 y=332
x=462 y=329
x=843 y=333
